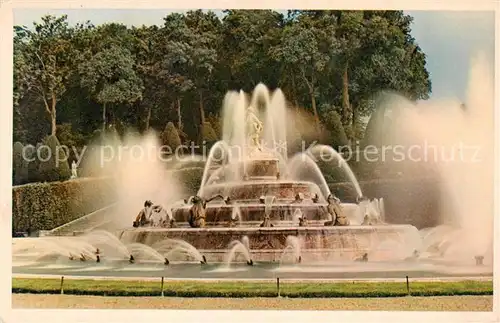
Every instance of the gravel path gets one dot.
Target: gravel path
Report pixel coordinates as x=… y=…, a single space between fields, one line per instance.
x=441 y=303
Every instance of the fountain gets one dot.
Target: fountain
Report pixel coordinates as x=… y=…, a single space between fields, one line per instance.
x=256 y=201
x=265 y=195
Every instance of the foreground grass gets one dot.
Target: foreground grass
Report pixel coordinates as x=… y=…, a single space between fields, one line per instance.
x=248 y=289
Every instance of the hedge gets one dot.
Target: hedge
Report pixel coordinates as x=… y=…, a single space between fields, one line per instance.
x=56 y=168
x=45 y=206
x=249 y=289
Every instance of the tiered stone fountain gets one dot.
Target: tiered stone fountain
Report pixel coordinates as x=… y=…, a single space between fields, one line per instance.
x=256 y=204
x=256 y=193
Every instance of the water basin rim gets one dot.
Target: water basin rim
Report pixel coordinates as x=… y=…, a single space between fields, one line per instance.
x=260 y=182
x=381 y=228
x=255 y=205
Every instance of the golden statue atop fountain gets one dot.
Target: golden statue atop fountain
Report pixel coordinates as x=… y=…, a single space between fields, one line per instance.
x=254 y=128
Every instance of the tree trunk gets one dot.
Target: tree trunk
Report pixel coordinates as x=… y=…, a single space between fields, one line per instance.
x=354 y=123
x=104 y=117
x=202 y=111
x=294 y=90
x=148 y=118
x=345 y=97
x=315 y=111
x=179 y=115
x=53 y=116
x=111 y=119
x=310 y=85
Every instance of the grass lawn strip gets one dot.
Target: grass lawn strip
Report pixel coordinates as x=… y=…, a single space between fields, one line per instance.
x=248 y=289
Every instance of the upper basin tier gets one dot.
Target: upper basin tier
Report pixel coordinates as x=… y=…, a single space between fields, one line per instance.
x=248 y=169
x=250 y=191
x=221 y=214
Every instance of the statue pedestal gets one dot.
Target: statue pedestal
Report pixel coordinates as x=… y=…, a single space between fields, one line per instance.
x=262 y=168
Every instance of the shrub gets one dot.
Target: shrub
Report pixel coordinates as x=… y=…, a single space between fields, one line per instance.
x=91 y=162
x=170 y=137
x=69 y=138
x=333 y=123
x=208 y=133
x=216 y=123
x=34 y=162
x=19 y=165
x=45 y=206
x=54 y=166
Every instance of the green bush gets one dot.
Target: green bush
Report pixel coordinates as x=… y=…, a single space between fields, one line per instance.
x=54 y=166
x=216 y=122
x=190 y=179
x=91 y=163
x=34 y=163
x=208 y=133
x=170 y=137
x=45 y=206
x=19 y=165
x=69 y=138
x=332 y=122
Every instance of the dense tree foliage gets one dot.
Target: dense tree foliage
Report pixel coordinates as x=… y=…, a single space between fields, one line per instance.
x=75 y=80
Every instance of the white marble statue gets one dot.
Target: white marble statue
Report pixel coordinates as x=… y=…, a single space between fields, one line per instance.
x=254 y=128
x=73 y=170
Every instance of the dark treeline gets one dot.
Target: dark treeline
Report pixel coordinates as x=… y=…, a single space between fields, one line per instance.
x=75 y=80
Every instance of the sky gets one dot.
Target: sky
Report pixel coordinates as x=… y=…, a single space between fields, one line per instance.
x=449 y=38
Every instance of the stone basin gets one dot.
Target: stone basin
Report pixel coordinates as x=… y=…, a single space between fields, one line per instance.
x=268 y=244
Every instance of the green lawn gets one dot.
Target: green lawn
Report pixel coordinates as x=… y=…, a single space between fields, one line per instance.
x=248 y=289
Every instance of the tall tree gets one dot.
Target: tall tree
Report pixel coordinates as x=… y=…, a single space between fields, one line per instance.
x=146 y=45
x=247 y=36
x=306 y=47
x=202 y=37
x=172 y=65
x=109 y=74
x=327 y=61
x=43 y=62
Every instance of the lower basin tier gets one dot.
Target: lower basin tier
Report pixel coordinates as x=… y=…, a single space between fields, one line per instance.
x=269 y=244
